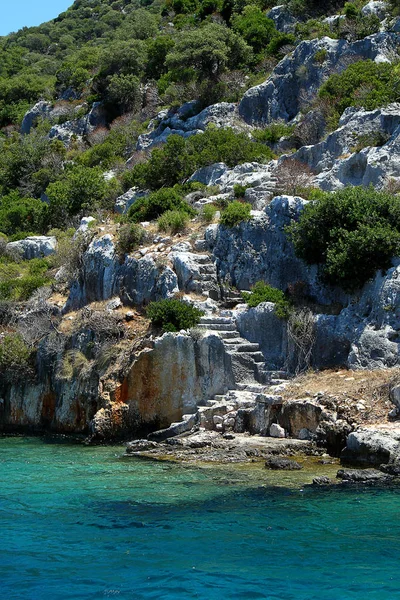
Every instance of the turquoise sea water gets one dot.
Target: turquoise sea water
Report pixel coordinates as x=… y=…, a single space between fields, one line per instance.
x=85 y=523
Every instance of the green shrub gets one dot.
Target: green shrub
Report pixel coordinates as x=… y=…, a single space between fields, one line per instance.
x=364 y=83
x=173 y=221
x=351 y=11
x=152 y=206
x=235 y=213
x=19 y=215
x=173 y=315
x=179 y=158
x=207 y=213
x=279 y=40
x=373 y=138
x=320 y=55
x=15 y=358
x=239 y=190
x=273 y=133
x=351 y=233
x=262 y=292
x=130 y=237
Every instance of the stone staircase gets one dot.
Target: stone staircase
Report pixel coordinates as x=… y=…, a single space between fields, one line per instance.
x=257 y=390
x=248 y=363
x=198 y=273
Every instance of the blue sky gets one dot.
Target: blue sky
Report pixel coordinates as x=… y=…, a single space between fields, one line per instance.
x=19 y=13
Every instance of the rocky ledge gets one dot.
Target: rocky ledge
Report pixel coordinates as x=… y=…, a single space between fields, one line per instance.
x=211 y=446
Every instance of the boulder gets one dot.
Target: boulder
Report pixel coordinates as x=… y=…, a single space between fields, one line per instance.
x=282 y=18
x=41 y=110
x=124 y=202
x=372 y=446
x=298 y=415
x=282 y=464
x=295 y=81
x=375 y=8
x=395 y=395
x=36 y=246
x=363 y=476
x=276 y=431
x=84 y=225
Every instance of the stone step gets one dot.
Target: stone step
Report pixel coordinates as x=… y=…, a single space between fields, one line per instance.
x=228 y=335
x=202 y=259
x=278 y=381
x=218 y=327
x=209 y=268
x=205 y=277
x=247 y=347
x=257 y=357
x=209 y=320
x=256 y=388
x=234 y=341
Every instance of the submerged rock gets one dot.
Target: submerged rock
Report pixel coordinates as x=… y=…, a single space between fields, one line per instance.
x=283 y=464
x=364 y=476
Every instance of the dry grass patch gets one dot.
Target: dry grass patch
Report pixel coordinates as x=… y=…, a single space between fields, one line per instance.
x=362 y=396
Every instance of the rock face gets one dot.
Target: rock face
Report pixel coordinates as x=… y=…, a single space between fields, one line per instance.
x=260 y=250
x=298 y=77
x=37 y=246
x=79 y=127
x=41 y=110
x=333 y=171
x=180 y=123
x=136 y=281
x=366 y=332
x=372 y=446
x=258 y=177
x=376 y=8
x=169 y=381
x=282 y=18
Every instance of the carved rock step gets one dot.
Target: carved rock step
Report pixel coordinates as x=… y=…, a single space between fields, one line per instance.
x=216 y=320
x=257 y=357
x=219 y=327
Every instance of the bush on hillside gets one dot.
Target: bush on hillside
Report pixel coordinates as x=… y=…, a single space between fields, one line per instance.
x=351 y=233
x=173 y=221
x=179 y=158
x=153 y=206
x=236 y=212
x=130 y=237
x=15 y=358
x=364 y=83
x=173 y=315
x=262 y=292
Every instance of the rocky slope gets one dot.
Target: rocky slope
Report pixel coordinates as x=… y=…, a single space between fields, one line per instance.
x=229 y=374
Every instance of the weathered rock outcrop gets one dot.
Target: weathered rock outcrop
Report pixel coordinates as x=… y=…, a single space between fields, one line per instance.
x=124 y=202
x=364 y=334
x=260 y=250
x=258 y=177
x=103 y=275
x=36 y=246
x=41 y=110
x=95 y=118
x=181 y=123
x=298 y=77
x=330 y=159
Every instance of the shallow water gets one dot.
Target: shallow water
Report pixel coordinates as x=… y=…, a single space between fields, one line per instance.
x=81 y=522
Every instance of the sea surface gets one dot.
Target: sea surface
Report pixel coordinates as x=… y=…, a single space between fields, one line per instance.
x=82 y=522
